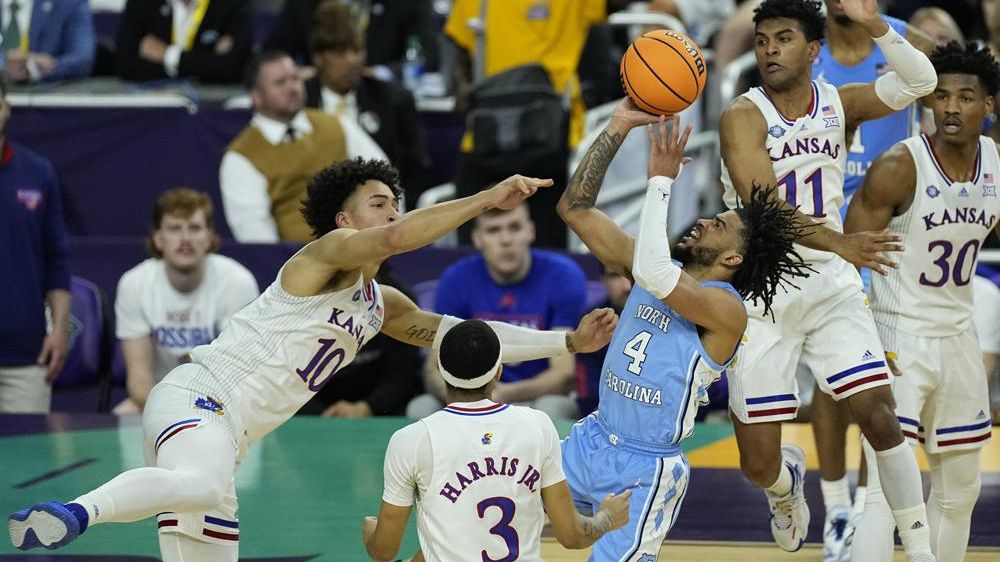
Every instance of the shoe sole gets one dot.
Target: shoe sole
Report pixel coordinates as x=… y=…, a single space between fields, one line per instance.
x=39 y=526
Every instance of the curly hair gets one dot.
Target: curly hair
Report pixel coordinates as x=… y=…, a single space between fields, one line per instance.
x=970 y=58
x=806 y=12
x=770 y=260
x=330 y=187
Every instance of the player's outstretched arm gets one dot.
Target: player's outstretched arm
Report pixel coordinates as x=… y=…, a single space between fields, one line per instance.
x=346 y=249
x=577 y=206
x=406 y=322
x=574 y=530
x=383 y=535
x=912 y=77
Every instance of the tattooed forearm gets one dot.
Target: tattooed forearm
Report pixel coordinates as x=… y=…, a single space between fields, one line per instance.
x=594 y=527
x=589 y=175
x=570 y=346
x=418 y=334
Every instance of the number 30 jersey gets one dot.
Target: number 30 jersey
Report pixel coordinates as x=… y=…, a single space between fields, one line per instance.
x=931 y=294
x=656 y=372
x=808 y=156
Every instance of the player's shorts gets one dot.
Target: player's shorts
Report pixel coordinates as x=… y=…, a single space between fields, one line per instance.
x=597 y=463
x=942 y=397
x=171 y=410
x=825 y=323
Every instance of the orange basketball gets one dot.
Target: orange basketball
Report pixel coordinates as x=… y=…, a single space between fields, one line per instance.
x=663 y=72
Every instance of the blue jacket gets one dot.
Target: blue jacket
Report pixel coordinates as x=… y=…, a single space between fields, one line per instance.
x=63 y=29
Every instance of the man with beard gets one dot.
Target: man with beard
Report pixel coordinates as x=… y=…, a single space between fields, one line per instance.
x=679 y=329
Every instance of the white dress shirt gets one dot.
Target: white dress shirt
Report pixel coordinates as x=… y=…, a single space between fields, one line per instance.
x=183 y=20
x=332 y=101
x=245 y=200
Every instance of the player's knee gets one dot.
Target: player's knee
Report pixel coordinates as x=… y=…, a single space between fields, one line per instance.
x=958 y=497
x=760 y=470
x=203 y=493
x=876 y=418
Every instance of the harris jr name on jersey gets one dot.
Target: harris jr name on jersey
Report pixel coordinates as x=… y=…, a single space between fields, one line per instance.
x=490 y=467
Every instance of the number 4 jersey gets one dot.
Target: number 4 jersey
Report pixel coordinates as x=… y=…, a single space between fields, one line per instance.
x=808 y=155
x=930 y=294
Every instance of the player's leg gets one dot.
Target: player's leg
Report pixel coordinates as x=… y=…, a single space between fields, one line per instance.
x=955 y=486
x=177 y=547
x=829 y=421
x=873 y=537
x=202 y=536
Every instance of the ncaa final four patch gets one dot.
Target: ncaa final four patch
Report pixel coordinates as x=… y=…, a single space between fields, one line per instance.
x=210 y=404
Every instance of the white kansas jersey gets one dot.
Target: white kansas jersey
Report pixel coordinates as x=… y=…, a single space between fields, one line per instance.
x=808 y=156
x=475 y=471
x=278 y=351
x=930 y=294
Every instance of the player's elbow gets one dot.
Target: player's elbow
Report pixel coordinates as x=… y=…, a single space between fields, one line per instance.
x=381 y=552
x=393 y=239
x=572 y=539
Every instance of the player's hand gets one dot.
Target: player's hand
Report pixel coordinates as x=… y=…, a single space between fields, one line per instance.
x=666 y=147
x=509 y=193
x=868 y=249
x=593 y=332
x=628 y=115
x=860 y=10
x=616 y=506
x=368 y=528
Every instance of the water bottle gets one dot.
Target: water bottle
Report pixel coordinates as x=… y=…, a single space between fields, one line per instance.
x=413 y=65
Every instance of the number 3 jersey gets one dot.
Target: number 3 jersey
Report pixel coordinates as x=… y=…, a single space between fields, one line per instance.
x=279 y=350
x=930 y=295
x=656 y=372
x=808 y=155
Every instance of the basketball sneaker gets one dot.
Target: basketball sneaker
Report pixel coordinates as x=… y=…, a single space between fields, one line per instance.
x=789 y=513
x=49 y=524
x=837 y=530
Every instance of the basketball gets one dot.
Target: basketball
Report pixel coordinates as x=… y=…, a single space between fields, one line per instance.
x=663 y=72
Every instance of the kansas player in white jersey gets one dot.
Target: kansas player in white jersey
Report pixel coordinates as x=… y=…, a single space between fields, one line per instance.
x=480 y=472
x=794 y=132
x=940 y=193
x=276 y=354
x=679 y=329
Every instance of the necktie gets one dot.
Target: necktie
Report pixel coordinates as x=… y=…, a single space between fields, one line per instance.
x=289 y=134
x=12 y=35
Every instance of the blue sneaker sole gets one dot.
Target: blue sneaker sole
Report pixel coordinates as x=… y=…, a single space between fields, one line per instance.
x=50 y=519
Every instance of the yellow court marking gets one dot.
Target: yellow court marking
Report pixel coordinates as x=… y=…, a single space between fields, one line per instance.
x=725 y=454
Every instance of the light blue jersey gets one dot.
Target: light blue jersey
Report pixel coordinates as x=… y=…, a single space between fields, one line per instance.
x=873 y=137
x=655 y=374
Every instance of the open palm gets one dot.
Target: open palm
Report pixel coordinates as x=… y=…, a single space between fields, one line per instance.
x=860 y=10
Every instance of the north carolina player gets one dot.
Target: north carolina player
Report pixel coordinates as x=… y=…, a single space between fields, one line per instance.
x=792 y=132
x=679 y=329
x=939 y=193
x=480 y=472
x=276 y=354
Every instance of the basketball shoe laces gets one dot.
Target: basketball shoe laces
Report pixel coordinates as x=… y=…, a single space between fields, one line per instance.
x=784 y=507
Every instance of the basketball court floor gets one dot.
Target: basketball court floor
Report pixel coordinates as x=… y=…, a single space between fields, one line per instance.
x=305 y=489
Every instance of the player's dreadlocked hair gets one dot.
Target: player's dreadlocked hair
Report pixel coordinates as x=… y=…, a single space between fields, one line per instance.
x=806 y=12
x=971 y=58
x=331 y=186
x=769 y=258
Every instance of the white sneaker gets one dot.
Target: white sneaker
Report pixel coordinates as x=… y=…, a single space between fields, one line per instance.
x=922 y=558
x=789 y=513
x=837 y=530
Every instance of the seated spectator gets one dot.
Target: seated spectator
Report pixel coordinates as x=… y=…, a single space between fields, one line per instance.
x=178 y=299
x=35 y=274
x=45 y=40
x=385 y=110
x=591 y=365
x=265 y=169
x=386 y=24
x=510 y=282
x=937 y=24
x=209 y=40
x=382 y=379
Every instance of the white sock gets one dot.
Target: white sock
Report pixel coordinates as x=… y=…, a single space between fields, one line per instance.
x=873 y=533
x=836 y=494
x=98 y=504
x=903 y=490
x=783 y=485
x=859 y=500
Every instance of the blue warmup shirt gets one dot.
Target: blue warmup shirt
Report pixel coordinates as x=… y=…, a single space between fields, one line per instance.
x=873 y=137
x=33 y=251
x=553 y=295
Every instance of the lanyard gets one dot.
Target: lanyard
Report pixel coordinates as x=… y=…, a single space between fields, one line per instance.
x=194 y=22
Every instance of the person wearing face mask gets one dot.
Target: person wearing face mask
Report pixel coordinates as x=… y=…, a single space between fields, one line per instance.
x=179 y=298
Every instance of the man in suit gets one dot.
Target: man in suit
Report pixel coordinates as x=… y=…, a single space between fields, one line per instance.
x=207 y=40
x=386 y=25
x=385 y=110
x=46 y=39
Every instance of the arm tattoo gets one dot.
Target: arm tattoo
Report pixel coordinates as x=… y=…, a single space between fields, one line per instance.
x=419 y=334
x=595 y=527
x=589 y=175
x=570 y=347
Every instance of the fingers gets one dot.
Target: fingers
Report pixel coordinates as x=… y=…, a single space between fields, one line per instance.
x=626 y=494
x=684 y=138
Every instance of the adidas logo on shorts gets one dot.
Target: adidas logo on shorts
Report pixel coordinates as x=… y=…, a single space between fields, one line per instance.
x=868 y=355
x=917 y=525
x=981 y=415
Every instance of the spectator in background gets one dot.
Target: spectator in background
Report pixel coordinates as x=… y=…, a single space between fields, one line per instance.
x=34 y=272
x=265 y=169
x=387 y=25
x=178 y=299
x=209 y=40
x=937 y=24
x=382 y=379
x=510 y=282
x=590 y=365
x=385 y=110
x=46 y=40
